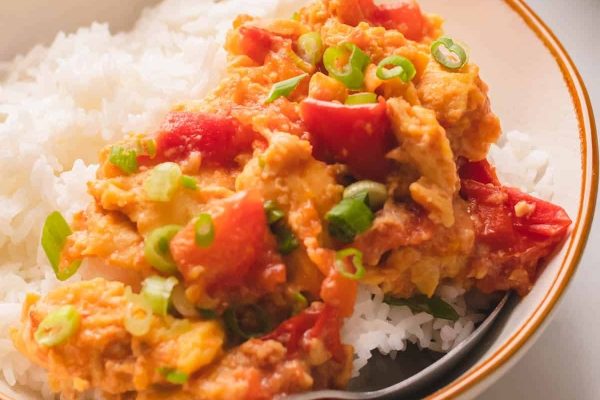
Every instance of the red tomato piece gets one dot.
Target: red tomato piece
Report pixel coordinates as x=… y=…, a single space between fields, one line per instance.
x=358 y=136
x=479 y=171
x=546 y=220
x=403 y=15
x=219 y=139
x=255 y=42
x=340 y=292
x=321 y=322
x=239 y=244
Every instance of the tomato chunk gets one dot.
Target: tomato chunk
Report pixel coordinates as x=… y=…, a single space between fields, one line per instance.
x=403 y=15
x=240 y=228
x=508 y=217
x=358 y=136
x=255 y=42
x=219 y=139
x=319 y=321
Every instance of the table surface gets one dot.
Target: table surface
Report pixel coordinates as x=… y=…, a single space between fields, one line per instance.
x=564 y=363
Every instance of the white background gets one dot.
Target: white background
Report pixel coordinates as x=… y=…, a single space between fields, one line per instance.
x=565 y=362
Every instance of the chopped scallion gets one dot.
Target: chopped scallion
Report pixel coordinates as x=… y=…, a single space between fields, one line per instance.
x=173 y=376
x=54 y=236
x=349 y=218
x=284 y=88
x=421 y=303
x=310 y=47
x=451 y=55
x=347 y=64
x=258 y=316
x=124 y=159
x=162 y=182
x=341 y=263
x=189 y=182
x=273 y=212
x=58 y=326
x=361 y=98
x=300 y=303
x=157 y=292
x=204 y=230
x=376 y=193
x=403 y=68
x=156 y=248
x=286 y=240
x=138 y=314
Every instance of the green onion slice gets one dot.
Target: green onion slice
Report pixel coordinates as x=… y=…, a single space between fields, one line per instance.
x=138 y=314
x=403 y=68
x=162 y=182
x=376 y=193
x=286 y=240
x=357 y=257
x=125 y=160
x=173 y=376
x=451 y=55
x=349 y=218
x=421 y=303
x=258 y=317
x=182 y=304
x=207 y=313
x=189 y=182
x=300 y=303
x=361 y=98
x=156 y=248
x=157 y=292
x=55 y=232
x=310 y=47
x=350 y=74
x=273 y=212
x=58 y=327
x=284 y=88
x=204 y=230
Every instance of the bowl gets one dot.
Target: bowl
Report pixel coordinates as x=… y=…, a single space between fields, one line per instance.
x=534 y=87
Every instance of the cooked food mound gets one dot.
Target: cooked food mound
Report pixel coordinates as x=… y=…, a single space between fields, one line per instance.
x=223 y=251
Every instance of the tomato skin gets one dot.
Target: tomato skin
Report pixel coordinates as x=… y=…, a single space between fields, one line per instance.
x=322 y=322
x=498 y=225
x=255 y=42
x=404 y=15
x=358 y=136
x=238 y=246
x=218 y=138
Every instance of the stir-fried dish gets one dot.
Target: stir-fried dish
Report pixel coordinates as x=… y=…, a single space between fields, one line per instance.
x=222 y=252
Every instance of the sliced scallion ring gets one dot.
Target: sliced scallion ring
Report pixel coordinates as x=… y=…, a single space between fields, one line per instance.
x=403 y=68
x=162 y=182
x=286 y=240
x=182 y=304
x=349 y=218
x=284 y=88
x=310 y=47
x=138 y=314
x=451 y=55
x=341 y=266
x=58 y=326
x=173 y=376
x=260 y=317
x=189 y=182
x=273 y=212
x=376 y=193
x=361 y=98
x=157 y=292
x=204 y=230
x=124 y=159
x=351 y=74
x=156 y=248
x=300 y=303
x=55 y=232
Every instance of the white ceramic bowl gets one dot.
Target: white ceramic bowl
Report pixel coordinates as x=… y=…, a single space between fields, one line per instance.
x=535 y=87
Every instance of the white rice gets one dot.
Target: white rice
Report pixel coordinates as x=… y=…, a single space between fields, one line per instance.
x=59 y=105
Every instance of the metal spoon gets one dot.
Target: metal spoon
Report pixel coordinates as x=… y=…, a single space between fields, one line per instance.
x=420 y=379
